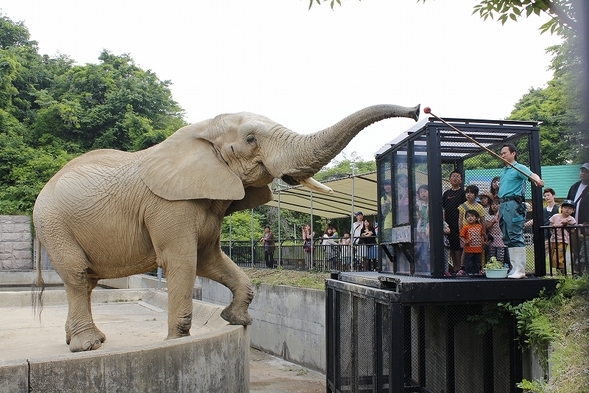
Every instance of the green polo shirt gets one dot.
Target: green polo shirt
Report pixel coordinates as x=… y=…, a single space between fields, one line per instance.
x=512 y=182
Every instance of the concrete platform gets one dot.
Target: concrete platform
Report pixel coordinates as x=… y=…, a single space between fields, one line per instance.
x=134 y=358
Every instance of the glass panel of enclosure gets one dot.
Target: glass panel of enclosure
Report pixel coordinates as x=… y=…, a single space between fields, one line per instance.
x=421 y=216
x=385 y=211
x=401 y=234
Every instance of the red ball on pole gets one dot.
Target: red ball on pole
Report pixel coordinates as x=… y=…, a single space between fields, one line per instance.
x=427 y=110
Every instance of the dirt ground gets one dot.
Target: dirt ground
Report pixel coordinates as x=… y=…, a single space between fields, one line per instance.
x=135 y=323
x=269 y=374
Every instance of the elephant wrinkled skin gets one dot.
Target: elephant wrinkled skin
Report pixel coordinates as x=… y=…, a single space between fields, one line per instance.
x=110 y=213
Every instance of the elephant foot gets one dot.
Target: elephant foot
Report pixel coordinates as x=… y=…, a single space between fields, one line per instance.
x=87 y=340
x=236 y=318
x=68 y=335
x=174 y=335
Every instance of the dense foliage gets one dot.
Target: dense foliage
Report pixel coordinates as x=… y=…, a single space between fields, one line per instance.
x=52 y=110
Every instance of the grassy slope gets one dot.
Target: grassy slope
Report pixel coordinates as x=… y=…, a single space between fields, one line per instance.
x=293 y=278
x=569 y=360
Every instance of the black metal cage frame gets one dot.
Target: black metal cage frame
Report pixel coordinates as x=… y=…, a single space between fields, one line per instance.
x=441 y=145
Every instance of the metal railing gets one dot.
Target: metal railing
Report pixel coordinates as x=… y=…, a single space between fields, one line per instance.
x=567 y=249
x=338 y=257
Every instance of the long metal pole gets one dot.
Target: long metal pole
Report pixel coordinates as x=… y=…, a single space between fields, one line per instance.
x=429 y=112
x=279 y=232
x=252 y=238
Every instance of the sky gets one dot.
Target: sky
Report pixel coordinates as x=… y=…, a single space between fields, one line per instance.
x=307 y=69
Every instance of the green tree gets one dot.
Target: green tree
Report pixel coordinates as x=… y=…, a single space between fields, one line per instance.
x=52 y=110
x=547 y=106
x=113 y=104
x=558 y=107
x=238 y=226
x=345 y=168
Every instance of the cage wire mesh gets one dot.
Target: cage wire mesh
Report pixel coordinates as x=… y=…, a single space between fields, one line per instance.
x=445 y=347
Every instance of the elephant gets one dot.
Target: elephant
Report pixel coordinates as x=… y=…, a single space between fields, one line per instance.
x=110 y=213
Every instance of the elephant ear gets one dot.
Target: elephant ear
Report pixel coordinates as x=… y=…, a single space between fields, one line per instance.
x=254 y=196
x=185 y=167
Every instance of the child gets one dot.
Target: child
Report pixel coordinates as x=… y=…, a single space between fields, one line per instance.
x=346 y=250
x=422 y=208
x=474 y=237
x=471 y=193
x=422 y=230
x=496 y=247
x=559 y=238
x=485 y=200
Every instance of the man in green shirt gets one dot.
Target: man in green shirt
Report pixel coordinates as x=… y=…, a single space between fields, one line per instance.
x=512 y=210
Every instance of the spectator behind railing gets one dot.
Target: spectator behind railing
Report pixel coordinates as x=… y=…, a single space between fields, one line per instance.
x=346 y=251
x=330 y=249
x=335 y=255
x=268 y=241
x=574 y=263
x=367 y=250
x=579 y=194
x=308 y=247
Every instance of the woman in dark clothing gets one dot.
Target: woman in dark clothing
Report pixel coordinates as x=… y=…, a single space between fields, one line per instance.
x=369 y=244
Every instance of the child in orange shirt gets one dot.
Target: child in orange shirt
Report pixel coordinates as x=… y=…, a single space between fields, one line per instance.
x=474 y=237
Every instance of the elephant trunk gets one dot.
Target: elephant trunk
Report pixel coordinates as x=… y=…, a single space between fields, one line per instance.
x=307 y=154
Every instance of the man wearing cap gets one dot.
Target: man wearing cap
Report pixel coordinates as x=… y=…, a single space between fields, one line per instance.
x=579 y=194
x=512 y=210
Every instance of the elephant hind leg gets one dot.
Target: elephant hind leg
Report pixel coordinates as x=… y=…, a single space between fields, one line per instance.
x=72 y=266
x=91 y=338
x=81 y=332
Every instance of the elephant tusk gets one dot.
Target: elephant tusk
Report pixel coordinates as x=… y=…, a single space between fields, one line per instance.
x=315 y=185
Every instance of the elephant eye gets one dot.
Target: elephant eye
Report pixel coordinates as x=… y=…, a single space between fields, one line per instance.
x=250 y=139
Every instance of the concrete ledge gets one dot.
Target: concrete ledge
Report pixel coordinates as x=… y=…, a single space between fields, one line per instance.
x=27 y=277
x=58 y=297
x=14 y=375
x=214 y=362
x=214 y=359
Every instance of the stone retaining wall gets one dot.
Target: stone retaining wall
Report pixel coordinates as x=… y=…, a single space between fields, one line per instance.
x=16 y=243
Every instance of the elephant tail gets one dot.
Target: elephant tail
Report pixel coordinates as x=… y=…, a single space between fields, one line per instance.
x=38 y=285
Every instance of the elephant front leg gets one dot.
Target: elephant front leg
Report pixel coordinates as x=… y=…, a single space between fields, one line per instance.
x=180 y=286
x=226 y=272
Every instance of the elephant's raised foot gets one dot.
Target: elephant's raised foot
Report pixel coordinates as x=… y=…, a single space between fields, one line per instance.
x=236 y=318
x=87 y=341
